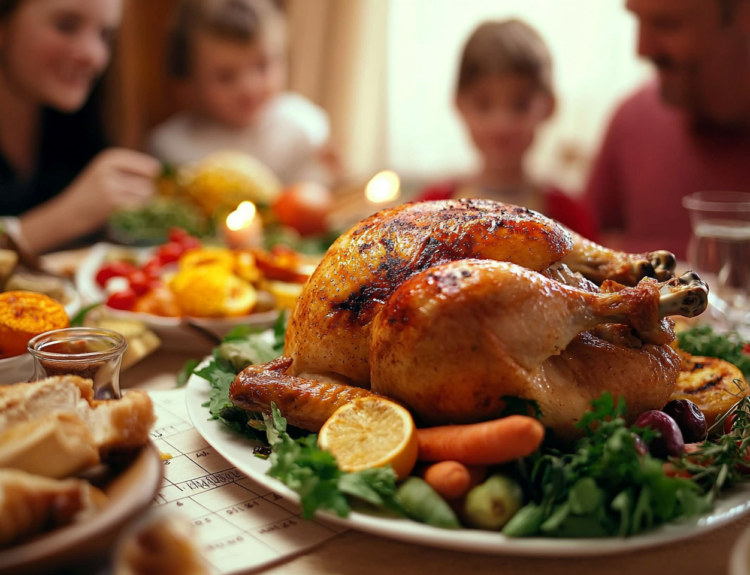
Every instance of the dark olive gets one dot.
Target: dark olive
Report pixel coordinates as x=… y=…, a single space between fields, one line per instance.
x=689 y=417
x=670 y=442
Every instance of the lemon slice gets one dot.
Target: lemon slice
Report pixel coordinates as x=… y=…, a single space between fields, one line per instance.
x=286 y=294
x=371 y=432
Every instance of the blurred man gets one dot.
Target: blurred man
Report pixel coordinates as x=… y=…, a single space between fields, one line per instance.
x=688 y=132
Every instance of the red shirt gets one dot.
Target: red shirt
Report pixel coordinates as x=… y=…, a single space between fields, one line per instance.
x=650 y=159
x=557 y=205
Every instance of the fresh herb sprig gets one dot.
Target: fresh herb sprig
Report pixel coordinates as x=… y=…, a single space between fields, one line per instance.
x=315 y=476
x=703 y=340
x=242 y=347
x=603 y=487
x=722 y=462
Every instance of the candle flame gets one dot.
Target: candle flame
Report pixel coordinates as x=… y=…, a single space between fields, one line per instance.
x=242 y=217
x=383 y=187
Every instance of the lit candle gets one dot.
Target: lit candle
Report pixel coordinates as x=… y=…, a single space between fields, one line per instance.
x=383 y=188
x=243 y=227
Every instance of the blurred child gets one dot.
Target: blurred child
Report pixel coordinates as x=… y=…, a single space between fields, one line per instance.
x=228 y=58
x=504 y=94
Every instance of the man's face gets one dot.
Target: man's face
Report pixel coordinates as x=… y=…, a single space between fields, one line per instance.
x=687 y=42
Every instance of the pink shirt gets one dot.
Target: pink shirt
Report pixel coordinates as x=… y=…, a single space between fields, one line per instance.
x=650 y=159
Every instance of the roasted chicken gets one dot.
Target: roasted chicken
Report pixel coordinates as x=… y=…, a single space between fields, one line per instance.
x=450 y=306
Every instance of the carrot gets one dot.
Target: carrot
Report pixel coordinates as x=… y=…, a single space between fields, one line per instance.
x=487 y=443
x=452 y=479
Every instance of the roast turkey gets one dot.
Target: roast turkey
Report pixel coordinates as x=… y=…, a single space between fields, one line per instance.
x=451 y=306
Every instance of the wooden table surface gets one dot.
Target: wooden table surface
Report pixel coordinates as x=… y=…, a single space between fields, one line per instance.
x=360 y=553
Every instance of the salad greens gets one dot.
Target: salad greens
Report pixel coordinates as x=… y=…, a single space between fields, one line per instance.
x=314 y=475
x=275 y=235
x=149 y=226
x=241 y=347
x=703 y=340
x=603 y=486
x=600 y=486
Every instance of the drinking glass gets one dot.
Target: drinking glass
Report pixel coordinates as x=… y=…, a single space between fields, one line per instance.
x=719 y=250
x=88 y=352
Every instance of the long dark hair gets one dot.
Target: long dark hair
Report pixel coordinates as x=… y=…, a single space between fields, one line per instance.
x=7 y=7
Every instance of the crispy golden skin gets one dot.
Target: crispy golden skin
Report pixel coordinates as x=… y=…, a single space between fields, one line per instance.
x=304 y=403
x=456 y=339
x=329 y=331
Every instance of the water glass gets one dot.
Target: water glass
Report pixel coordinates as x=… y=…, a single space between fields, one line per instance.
x=719 y=251
x=91 y=353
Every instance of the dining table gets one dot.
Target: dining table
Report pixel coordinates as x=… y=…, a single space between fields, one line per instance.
x=356 y=552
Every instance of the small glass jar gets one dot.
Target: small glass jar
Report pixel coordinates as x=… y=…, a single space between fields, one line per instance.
x=91 y=353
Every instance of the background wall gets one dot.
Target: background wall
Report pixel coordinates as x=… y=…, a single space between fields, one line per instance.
x=384 y=70
x=593 y=48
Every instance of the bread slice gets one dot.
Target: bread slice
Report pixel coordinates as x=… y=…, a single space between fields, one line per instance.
x=56 y=445
x=121 y=424
x=24 y=402
x=30 y=504
x=115 y=425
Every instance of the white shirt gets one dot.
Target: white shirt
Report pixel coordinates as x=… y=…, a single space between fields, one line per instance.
x=286 y=137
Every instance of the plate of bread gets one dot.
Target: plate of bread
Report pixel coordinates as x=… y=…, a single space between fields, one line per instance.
x=74 y=471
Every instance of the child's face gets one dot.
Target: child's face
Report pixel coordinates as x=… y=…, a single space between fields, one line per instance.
x=231 y=81
x=501 y=114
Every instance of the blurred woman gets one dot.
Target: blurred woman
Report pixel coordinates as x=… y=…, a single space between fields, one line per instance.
x=57 y=180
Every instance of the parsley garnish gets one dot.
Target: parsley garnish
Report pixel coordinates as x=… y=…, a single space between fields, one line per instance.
x=243 y=346
x=722 y=462
x=314 y=475
x=603 y=487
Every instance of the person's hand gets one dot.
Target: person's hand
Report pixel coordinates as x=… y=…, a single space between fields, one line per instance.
x=116 y=178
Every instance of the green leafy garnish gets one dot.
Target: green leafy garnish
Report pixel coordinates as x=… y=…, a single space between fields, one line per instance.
x=703 y=340
x=242 y=347
x=722 y=463
x=603 y=487
x=187 y=370
x=150 y=225
x=276 y=235
x=79 y=318
x=313 y=474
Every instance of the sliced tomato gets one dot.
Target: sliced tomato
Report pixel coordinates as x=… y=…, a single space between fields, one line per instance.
x=177 y=235
x=142 y=283
x=123 y=300
x=191 y=243
x=169 y=253
x=152 y=269
x=181 y=237
x=112 y=270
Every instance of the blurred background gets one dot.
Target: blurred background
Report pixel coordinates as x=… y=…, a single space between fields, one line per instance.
x=384 y=71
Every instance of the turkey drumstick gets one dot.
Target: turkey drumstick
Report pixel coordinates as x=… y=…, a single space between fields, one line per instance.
x=598 y=263
x=455 y=339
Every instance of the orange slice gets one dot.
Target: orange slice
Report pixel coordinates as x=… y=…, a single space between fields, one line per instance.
x=371 y=432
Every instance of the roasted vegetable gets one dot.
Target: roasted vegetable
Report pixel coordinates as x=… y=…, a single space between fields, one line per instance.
x=714 y=385
x=493 y=503
x=24 y=315
x=422 y=503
